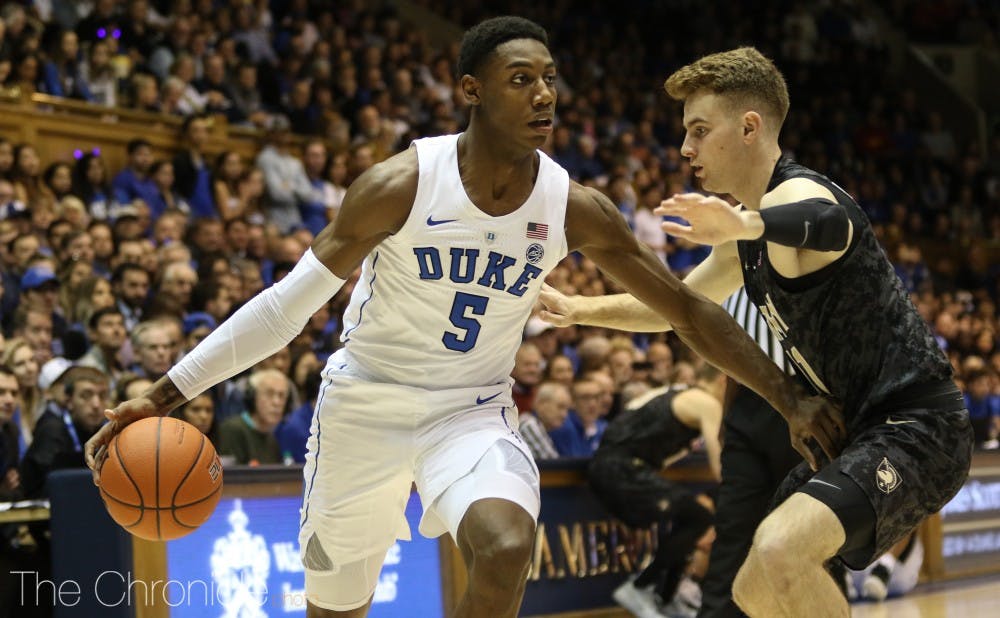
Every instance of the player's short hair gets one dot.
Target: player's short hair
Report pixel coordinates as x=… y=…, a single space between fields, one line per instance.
x=482 y=39
x=744 y=76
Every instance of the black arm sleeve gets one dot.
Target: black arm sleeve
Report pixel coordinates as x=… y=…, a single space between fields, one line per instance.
x=817 y=224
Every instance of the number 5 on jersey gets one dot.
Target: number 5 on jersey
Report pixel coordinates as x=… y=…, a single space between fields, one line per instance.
x=463 y=303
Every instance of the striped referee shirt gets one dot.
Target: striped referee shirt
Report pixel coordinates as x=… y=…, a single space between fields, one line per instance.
x=749 y=318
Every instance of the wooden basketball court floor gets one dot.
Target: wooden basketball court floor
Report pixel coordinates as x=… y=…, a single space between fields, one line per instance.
x=970 y=598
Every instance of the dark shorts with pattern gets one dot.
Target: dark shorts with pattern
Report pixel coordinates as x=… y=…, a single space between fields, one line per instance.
x=903 y=462
x=632 y=490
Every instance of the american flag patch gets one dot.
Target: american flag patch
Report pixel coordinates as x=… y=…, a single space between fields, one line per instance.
x=538 y=230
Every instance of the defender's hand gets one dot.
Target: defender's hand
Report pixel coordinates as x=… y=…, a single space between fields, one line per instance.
x=817 y=418
x=127 y=412
x=559 y=309
x=711 y=220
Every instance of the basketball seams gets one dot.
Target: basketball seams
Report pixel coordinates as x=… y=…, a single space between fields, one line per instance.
x=121 y=463
x=180 y=484
x=198 y=501
x=165 y=508
x=159 y=426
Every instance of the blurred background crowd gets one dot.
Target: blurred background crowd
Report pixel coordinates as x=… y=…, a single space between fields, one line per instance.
x=110 y=275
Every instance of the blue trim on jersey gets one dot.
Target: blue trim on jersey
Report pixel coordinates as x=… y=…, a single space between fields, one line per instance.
x=371 y=294
x=319 y=444
x=503 y=415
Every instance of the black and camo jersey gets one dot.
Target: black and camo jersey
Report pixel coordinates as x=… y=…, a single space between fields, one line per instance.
x=650 y=432
x=849 y=327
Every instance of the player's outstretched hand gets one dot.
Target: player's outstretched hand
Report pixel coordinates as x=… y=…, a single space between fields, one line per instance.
x=820 y=420
x=126 y=413
x=711 y=220
x=559 y=310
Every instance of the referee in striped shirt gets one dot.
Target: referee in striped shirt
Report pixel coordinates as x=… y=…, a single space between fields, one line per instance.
x=756 y=457
x=757 y=453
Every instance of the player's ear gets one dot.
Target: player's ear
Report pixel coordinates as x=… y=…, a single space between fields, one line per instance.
x=752 y=125
x=470 y=88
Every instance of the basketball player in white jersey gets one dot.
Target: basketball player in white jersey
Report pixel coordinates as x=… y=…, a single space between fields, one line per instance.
x=454 y=238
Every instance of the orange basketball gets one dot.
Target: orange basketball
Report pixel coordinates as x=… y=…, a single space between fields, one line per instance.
x=161 y=478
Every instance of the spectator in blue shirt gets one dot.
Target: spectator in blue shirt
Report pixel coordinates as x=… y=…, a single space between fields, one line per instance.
x=293 y=431
x=583 y=429
x=61 y=75
x=192 y=176
x=321 y=207
x=983 y=406
x=134 y=182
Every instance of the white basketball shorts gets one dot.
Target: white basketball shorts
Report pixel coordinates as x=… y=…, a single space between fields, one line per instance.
x=370 y=442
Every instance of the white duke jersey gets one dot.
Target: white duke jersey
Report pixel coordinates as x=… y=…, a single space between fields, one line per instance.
x=442 y=303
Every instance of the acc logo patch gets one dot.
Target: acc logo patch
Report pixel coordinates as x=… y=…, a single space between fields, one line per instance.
x=535 y=253
x=886 y=477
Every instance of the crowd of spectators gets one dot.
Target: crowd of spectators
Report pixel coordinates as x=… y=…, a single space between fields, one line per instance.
x=109 y=276
x=949 y=21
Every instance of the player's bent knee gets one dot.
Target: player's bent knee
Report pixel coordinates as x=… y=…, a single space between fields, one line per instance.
x=771 y=548
x=801 y=531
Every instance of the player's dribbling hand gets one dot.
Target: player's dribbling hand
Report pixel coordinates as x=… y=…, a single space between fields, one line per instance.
x=817 y=420
x=558 y=309
x=127 y=412
x=711 y=220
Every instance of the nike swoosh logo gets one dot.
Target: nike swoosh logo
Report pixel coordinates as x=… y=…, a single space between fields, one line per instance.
x=824 y=483
x=481 y=400
x=432 y=222
x=889 y=421
x=806 y=237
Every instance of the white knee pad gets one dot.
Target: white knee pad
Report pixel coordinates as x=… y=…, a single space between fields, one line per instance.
x=502 y=472
x=343 y=587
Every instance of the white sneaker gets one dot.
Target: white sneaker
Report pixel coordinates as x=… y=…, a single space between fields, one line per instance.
x=874 y=589
x=686 y=601
x=640 y=601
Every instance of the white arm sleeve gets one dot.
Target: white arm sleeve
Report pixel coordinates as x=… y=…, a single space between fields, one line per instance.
x=258 y=329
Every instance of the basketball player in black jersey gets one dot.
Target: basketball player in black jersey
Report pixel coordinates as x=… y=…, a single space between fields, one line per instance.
x=624 y=475
x=809 y=261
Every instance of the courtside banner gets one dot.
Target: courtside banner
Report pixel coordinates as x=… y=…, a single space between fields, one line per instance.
x=245 y=562
x=970 y=522
x=581 y=552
